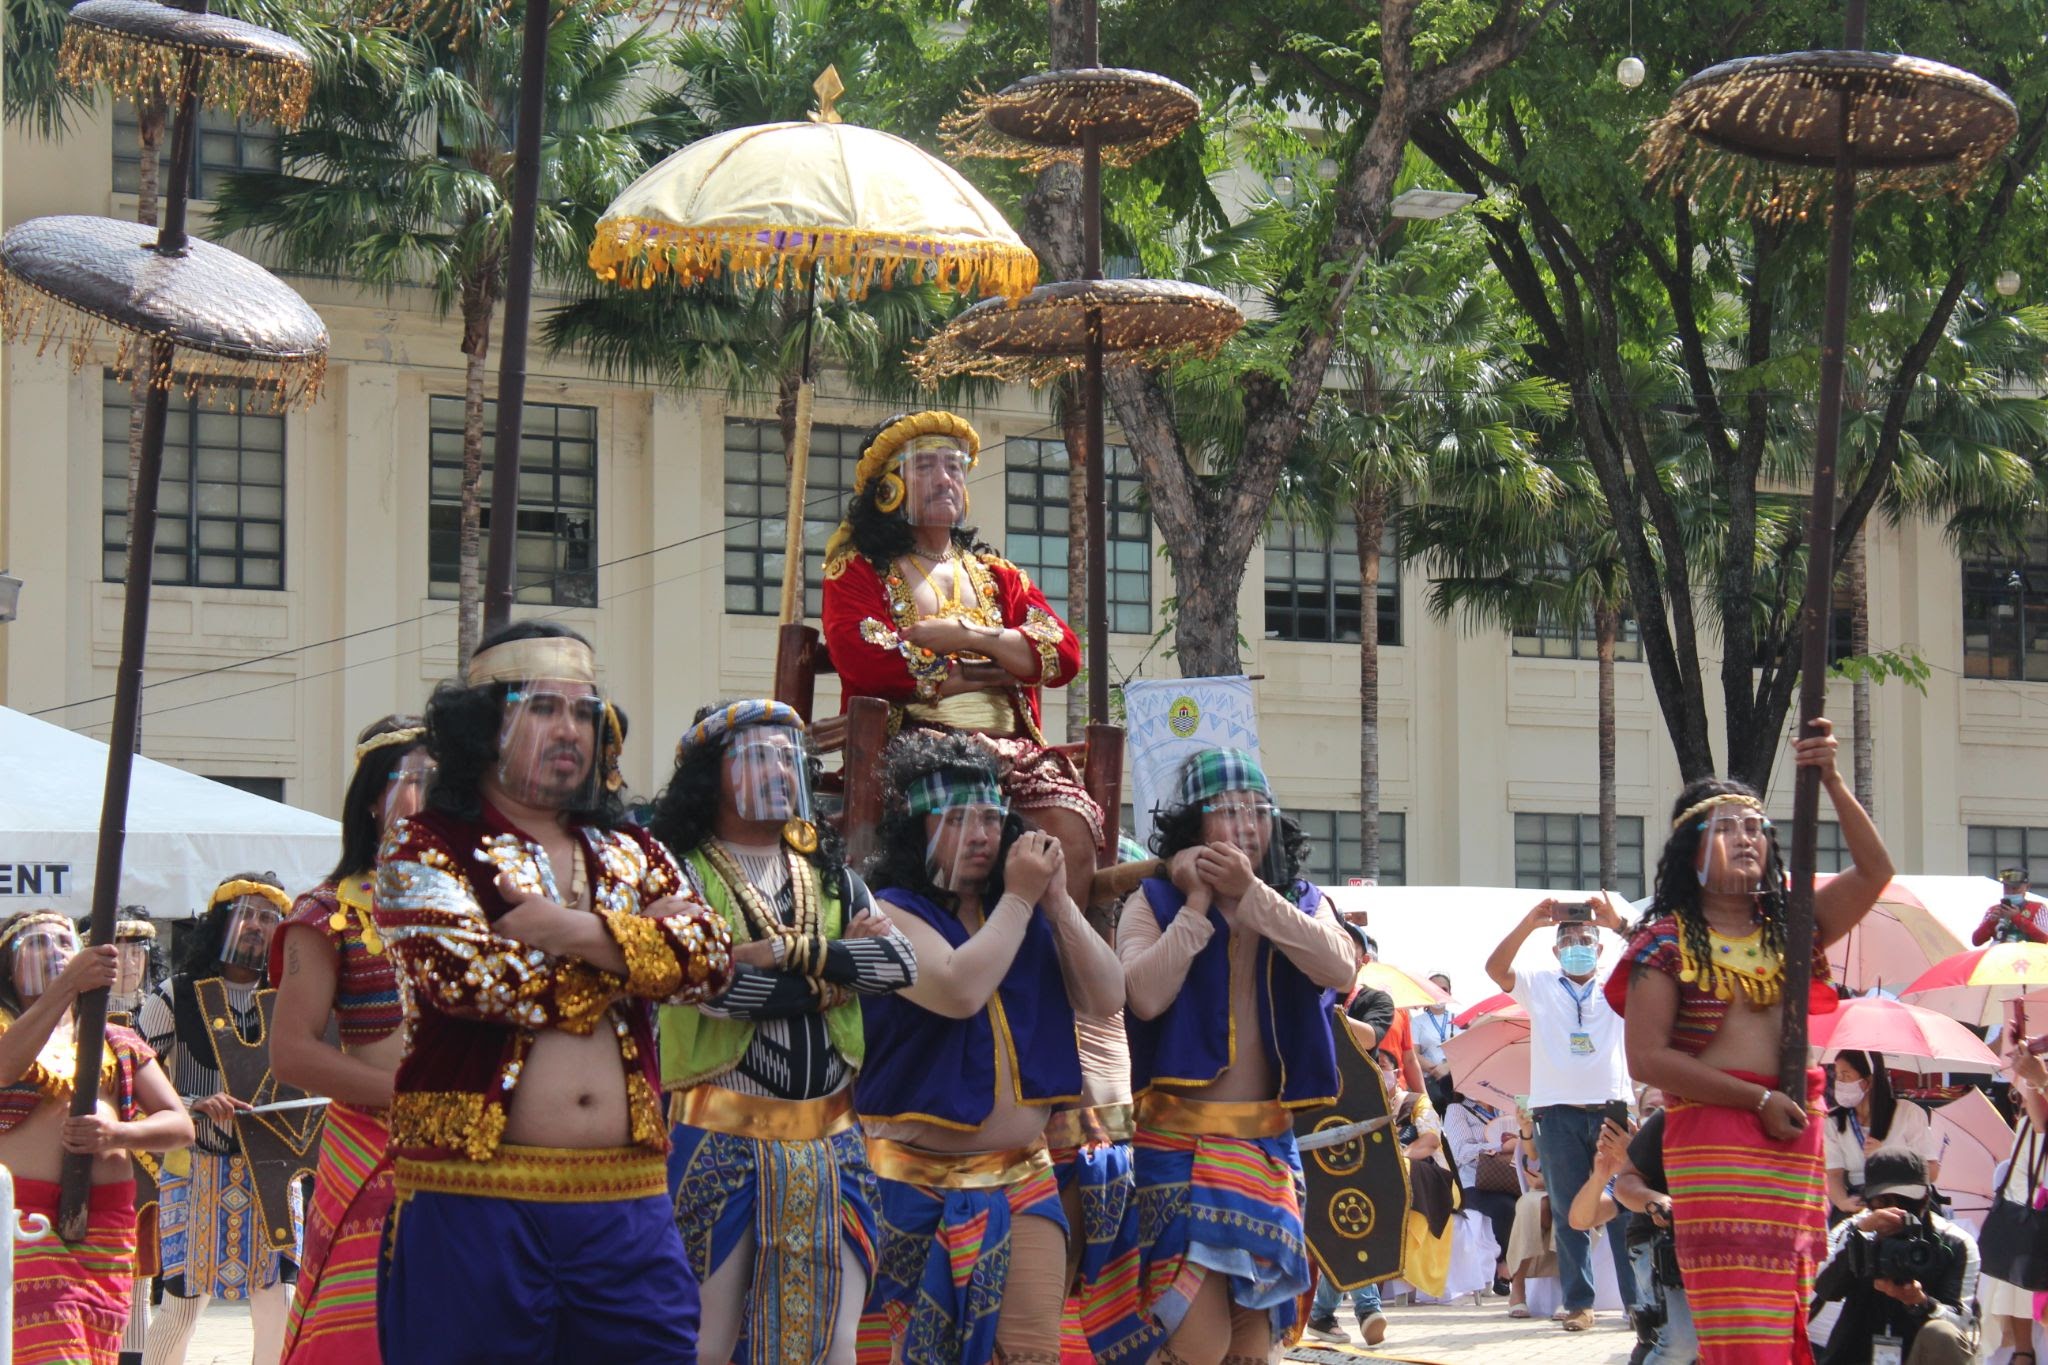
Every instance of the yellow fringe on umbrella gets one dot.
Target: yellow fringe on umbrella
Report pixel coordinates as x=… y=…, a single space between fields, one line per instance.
x=27 y=314
x=247 y=85
x=637 y=253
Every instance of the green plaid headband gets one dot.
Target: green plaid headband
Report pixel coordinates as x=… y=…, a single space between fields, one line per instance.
x=949 y=789
x=1214 y=771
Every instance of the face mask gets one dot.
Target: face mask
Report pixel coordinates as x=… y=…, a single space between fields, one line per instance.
x=1849 y=1094
x=1578 y=959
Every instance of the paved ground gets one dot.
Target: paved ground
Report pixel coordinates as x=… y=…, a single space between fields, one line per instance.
x=1451 y=1335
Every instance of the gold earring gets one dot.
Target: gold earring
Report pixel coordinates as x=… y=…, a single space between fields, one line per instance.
x=891 y=496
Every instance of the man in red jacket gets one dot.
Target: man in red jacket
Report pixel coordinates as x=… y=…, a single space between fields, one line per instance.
x=2014 y=917
x=920 y=612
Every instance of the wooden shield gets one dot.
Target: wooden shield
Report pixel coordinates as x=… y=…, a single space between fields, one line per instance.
x=279 y=1147
x=1358 y=1197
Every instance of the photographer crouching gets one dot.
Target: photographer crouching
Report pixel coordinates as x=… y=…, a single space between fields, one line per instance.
x=1905 y=1275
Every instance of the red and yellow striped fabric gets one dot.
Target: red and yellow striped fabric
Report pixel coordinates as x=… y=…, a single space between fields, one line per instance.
x=1751 y=1221
x=71 y=1302
x=334 y=1315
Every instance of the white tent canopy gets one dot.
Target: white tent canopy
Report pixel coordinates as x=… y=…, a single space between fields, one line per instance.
x=185 y=832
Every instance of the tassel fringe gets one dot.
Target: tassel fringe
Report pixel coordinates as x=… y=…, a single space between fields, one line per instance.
x=636 y=253
x=254 y=85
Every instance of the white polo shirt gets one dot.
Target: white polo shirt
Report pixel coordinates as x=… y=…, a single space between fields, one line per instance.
x=1575 y=1044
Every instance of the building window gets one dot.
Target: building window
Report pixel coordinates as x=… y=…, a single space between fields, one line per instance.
x=1830 y=853
x=272 y=787
x=1312 y=584
x=1333 y=853
x=1036 y=524
x=555 y=560
x=1575 y=640
x=226 y=145
x=2005 y=610
x=220 y=504
x=1562 y=852
x=757 y=511
x=1995 y=847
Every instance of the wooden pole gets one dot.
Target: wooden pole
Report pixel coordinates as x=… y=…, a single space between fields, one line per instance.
x=799 y=466
x=1816 y=609
x=91 y=1010
x=500 y=570
x=1091 y=389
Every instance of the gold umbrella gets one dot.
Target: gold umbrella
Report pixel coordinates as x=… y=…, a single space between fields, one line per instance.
x=841 y=207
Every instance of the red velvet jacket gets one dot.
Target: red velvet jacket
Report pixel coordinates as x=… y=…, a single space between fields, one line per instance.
x=865 y=614
x=478 y=1000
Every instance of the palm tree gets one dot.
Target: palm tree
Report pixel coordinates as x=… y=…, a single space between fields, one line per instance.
x=402 y=176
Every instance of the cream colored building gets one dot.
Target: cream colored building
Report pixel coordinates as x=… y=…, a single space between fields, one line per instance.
x=642 y=520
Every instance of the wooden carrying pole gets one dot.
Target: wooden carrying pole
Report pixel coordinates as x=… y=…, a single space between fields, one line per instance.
x=1091 y=388
x=1815 y=610
x=91 y=1009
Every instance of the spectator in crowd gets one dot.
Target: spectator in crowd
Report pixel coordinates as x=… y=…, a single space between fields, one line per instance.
x=1926 y=1320
x=1433 y=1028
x=2007 y=1310
x=1426 y=1251
x=2015 y=917
x=1576 y=1069
x=1867 y=1116
x=1663 y=1316
x=1482 y=1140
x=1531 y=1253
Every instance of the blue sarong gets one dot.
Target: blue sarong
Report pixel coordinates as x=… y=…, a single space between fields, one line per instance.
x=724 y=1187
x=945 y=1256
x=209 y=1232
x=1220 y=1205
x=474 y=1280
x=1107 y=1290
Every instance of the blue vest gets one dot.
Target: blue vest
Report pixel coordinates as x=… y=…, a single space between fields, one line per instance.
x=1190 y=1044
x=925 y=1067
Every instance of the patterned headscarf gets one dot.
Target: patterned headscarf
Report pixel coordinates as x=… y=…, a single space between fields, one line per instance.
x=1215 y=771
x=738 y=716
x=949 y=789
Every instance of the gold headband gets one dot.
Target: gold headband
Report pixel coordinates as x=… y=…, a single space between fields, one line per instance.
x=133 y=928
x=410 y=735
x=238 y=888
x=882 y=456
x=29 y=921
x=555 y=657
x=1723 y=799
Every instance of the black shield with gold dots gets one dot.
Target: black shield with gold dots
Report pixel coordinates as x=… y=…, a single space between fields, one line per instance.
x=1358 y=1195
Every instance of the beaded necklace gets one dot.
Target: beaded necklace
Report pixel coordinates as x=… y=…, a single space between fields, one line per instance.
x=1744 y=963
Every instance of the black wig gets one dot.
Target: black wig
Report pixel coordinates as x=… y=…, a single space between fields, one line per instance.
x=902 y=849
x=463 y=725
x=361 y=832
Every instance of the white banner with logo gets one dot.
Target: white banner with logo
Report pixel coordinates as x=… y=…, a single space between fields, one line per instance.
x=1169 y=718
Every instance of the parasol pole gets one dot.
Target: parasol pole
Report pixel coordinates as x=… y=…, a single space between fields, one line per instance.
x=90 y=1011
x=533 y=70
x=799 y=465
x=1091 y=389
x=1815 y=610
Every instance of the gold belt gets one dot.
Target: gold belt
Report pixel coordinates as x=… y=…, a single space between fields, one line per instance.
x=957 y=1170
x=1079 y=1127
x=544 y=1175
x=1212 y=1118
x=751 y=1116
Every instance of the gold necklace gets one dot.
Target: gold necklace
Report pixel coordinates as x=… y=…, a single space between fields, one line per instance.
x=917 y=563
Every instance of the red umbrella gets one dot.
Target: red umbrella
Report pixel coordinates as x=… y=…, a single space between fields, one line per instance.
x=1897 y=941
x=1502 y=1006
x=1974 y=1139
x=1492 y=1057
x=1975 y=985
x=1903 y=1033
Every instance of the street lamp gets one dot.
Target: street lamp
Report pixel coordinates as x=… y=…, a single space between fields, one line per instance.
x=1428 y=205
x=1629 y=73
x=10 y=596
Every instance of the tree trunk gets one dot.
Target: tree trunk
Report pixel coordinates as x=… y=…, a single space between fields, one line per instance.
x=1606 y=627
x=478 y=305
x=1857 y=566
x=1069 y=399
x=1369 y=508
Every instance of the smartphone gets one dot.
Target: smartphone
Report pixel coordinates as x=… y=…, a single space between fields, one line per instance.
x=1616 y=1113
x=1575 y=912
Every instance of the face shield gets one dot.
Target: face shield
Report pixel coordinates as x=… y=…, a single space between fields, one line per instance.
x=41 y=952
x=766 y=776
x=134 y=941
x=963 y=826
x=551 y=743
x=405 y=791
x=934 y=473
x=251 y=920
x=1248 y=820
x=1735 y=850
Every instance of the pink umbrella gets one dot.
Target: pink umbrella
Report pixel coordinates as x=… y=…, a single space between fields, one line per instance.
x=1974 y=1138
x=1974 y=985
x=1493 y=1057
x=1502 y=1006
x=1897 y=941
x=1903 y=1033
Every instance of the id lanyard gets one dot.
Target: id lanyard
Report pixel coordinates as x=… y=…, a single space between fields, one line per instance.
x=1582 y=1041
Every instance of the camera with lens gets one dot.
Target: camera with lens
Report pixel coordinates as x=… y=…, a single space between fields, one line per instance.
x=1914 y=1252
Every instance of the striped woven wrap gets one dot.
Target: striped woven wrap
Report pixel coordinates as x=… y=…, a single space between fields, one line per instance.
x=71 y=1302
x=334 y=1314
x=1751 y=1226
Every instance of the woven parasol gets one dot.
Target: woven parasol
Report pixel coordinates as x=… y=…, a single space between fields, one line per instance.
x=140 y=49
x=815 y=205
x=1913 y=125
x=1776 y=135
x=1045 y=119
x=1149 y=322
x=180 y=313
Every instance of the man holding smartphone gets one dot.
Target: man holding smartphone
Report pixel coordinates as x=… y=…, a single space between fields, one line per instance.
x=1578 y=1076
